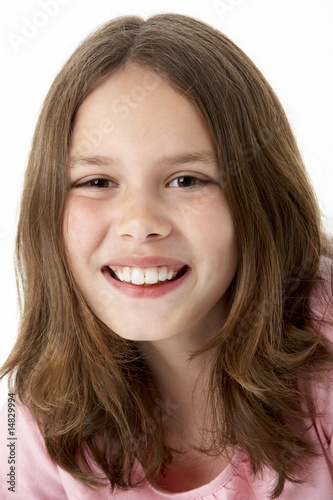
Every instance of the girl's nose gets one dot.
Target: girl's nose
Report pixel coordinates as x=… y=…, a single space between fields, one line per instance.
x=142 y=218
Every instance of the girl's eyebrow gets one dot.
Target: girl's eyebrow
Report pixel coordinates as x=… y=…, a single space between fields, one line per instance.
x=207 y=157
x=103 y=161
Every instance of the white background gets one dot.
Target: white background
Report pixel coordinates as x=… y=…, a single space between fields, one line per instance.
x=291 y=41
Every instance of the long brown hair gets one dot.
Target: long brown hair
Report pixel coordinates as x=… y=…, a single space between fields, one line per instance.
x=90 y=391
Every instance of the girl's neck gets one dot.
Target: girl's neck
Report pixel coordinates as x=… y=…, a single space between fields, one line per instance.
x=183 y=382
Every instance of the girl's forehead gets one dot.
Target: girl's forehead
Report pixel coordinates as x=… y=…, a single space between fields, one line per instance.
x=137 y=105
x=131 y=84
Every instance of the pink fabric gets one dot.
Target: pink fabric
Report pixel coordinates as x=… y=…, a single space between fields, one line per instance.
x=38 y=478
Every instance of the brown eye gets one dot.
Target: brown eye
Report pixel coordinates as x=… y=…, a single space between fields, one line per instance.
x=99 y=183
x=186 y=181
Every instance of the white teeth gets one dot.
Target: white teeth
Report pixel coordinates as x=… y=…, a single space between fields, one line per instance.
x=120 y=276
x=138 y=278
x=126 y=274
x=149 y=276
x=163 y=274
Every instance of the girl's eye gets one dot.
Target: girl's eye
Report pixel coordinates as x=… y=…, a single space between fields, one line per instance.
x=183 y=181
x=98 y=183
x=186 y=181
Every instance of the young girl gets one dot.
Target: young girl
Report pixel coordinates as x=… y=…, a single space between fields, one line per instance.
x=175 y=339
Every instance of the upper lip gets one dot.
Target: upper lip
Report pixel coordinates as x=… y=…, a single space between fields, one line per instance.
x=149 y=261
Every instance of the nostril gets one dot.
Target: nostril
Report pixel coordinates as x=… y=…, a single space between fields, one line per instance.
x=142 y=226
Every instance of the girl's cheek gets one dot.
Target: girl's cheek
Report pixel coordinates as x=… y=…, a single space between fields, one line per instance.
x=84 y=222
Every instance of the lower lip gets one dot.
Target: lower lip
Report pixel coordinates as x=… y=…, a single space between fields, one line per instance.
x=147 y=292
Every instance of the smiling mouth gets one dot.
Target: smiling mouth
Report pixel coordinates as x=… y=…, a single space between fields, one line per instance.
x=146 y=277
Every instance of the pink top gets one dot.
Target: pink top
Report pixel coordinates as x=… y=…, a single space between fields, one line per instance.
x=35 y=477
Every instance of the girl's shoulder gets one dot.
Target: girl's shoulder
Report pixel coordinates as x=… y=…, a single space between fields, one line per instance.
x=321 y=299
x=28 y=468
x=24 y=459
x=321 y=390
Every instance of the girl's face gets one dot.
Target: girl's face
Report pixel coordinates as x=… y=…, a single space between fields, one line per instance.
x=149 y=234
